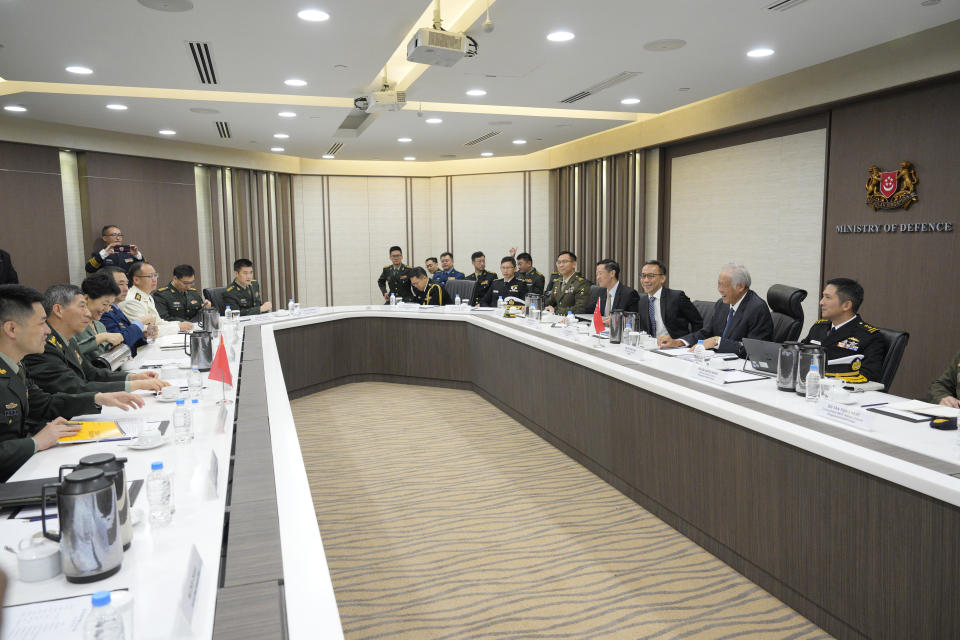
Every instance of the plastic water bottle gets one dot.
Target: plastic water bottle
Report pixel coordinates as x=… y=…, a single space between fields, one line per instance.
x=103 y=621
x=226 y=313
x=500 y=303
x=195 y=383
x=393 y=299
x=290 y=306
x=159 y=495
x=194 y=417
x=182 y=423
x=700 y=352
x=813 y=383
x=456 y=300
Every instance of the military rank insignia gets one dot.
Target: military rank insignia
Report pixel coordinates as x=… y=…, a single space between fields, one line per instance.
x=892 y=189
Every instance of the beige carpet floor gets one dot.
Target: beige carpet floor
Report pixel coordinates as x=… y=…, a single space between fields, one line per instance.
x=442 y=517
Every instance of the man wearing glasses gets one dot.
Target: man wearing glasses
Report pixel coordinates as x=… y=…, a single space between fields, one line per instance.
x=115 y=253
x=180 y=300
x=570 y=292
x=139 y=304
x=663 y=311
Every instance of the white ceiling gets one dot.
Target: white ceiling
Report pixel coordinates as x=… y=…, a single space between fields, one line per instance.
x=256 y=45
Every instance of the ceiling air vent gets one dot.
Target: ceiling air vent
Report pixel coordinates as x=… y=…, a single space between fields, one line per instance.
x=485 y=136
x=783 y=5
x=223 y=129
x=623 y=76
x=336 y=146
x=204 y=61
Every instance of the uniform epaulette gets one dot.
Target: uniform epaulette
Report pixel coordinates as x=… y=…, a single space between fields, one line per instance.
x=230 y=288
x=137 y=296
x=191 y=289
x=869 y=328
x=821 y=321
x=52 y=340
x=164 y=289
x=388 y=266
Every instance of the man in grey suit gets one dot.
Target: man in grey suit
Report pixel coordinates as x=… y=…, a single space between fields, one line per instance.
x=663 y=311
x=739 y=313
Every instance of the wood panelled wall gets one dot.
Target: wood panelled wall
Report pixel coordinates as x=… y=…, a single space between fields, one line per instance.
x=153 y=201
x=31 y=210
x=910 y=278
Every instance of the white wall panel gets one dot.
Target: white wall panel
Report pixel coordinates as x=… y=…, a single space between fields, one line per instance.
x=310 y=239
x=424 y=245
x=386 y=207
x=487 y=216
x=350 y=241
x=540 y=222
x=760 y=204
x=651 y=203
x=438 y=217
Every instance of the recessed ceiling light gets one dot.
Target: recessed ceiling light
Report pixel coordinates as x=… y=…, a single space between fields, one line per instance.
x=761 y=52
x=203 y=110
x=476 y=92
x=199 y=164
x=15 y=107
x=630 y=101
x=328 y=156
x=404 y=139
x=560 y=36
x=313 y=15
x=167 y=132
x=409 y=158
x=83 y=71
x=519 y=141
x=287 y=114
x=281 y=136
x=117 y=107
x=666 y=44
x=277 y=149
x=295 y=82
x=487 y=154
x=433 y=120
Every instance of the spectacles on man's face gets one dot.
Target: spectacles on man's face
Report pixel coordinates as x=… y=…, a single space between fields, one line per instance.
x=152 y=276
x=649 y=276
x=117 y=234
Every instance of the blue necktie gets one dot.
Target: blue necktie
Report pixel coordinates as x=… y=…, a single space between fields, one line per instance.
x=727 y=326
x=653 y=317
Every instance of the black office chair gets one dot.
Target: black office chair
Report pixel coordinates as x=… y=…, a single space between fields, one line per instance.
x=462 y=287
x=215 y=296
x=784 y=302
x=706 y=310
x=896 y=342
x=595 y=290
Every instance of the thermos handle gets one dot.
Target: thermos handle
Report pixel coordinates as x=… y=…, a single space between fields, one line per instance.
x=72 y=467
x=55 y=536
x=186 y=345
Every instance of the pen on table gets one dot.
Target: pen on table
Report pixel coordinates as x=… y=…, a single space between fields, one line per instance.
x=875 y=404
x=74 y=424
x=50 y=516
x=116 y=439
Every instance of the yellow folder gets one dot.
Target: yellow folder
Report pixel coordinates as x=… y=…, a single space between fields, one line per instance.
x=93 y=431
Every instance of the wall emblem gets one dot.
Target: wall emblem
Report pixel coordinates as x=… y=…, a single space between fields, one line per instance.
x=892 y=189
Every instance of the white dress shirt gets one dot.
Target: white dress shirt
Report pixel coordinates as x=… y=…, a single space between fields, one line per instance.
x=611 y=294
x=661 y=327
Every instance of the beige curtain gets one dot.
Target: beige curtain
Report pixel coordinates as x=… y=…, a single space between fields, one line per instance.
x=252 y=217
x=598 y=212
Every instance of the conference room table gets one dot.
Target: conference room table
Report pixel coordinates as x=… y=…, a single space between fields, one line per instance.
x=852 y=520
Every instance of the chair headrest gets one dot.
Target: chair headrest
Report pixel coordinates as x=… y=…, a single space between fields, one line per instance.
x=786 y=300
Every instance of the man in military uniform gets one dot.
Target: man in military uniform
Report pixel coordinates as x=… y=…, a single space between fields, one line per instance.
x=481 y=276
x=426 y=292
x=26 y=407
x=432 y=265
x=571 y=291
x=507 y=286
x=527 y=274
x=943 y=390
x=179 y=300
x=395 y=278
x=447 y=270
x=855 y=350
x=60 y=367
x=115 y=253
x=134 y=332
x=139 y=304
x=243 y=294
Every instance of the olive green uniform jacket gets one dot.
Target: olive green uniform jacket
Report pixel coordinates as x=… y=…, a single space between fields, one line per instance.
x=572 y=296
x=946 y=384
x=61 y=369
x=247 y=300
x=172 y=304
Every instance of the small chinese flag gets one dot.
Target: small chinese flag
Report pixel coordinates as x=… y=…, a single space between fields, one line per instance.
x=598 y=318
x=220 y=368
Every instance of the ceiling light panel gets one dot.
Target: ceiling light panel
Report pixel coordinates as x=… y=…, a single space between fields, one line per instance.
x=313 y=15
x=79 y=70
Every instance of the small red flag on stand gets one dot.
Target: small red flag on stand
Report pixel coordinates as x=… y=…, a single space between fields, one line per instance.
x=598 y=318
x=220 y=368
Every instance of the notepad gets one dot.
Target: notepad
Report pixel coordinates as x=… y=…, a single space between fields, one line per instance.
x=92 y=432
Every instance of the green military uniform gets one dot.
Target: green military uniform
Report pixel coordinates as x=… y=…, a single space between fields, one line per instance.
x=855 y=351
x=61 y=369
x=533 y=279
x=396 y=280
x=946 y=384
x=569 y=295
x=484 y=281
x=432 y=294
x=87 y=341
x=554 y=276
x=173 y=304
x=25 y=407
x=245 y=299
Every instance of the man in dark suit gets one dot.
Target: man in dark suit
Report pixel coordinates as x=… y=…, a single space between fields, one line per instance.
x=663 y=311
x=739 y=313
x=8 y=275
x=613 y=294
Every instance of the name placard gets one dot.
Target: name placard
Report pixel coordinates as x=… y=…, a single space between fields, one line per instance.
x=852 y=416
x=191 y=585
x=708 y=374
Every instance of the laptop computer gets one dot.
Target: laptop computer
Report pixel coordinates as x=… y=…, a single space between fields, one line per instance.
x=763 y=356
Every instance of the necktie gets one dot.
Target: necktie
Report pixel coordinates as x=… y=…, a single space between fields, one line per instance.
x=653 y=316
x=22 y=374
x=609 y=304
x=727 y=326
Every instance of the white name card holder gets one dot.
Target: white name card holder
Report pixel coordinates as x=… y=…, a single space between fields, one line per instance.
x=851 y=416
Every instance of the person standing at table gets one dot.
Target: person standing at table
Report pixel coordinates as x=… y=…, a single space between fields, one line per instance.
x=426 y=292
x=527 y=274
x=395 y=278
x=180 y=301
x=854 y=349
x=26 y=407
x=115 y=253
x=134 y=332
x=100 y=291
x=570 y=292
x=8 y=275
x=739 y=313
x=943 y=390
x=507 y=286
x=663 y=311
x=60 y=367
x=243 y=294
x=447 y=270
x=613 y=294
x=139 y=303
x=481 y=276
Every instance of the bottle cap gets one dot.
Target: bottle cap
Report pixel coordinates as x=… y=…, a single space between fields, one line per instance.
x=814 y=367
x=179 y=401
x=100 y=598
x=156 y=466
x=699 y=341
x=228 y=307
x=195 y=401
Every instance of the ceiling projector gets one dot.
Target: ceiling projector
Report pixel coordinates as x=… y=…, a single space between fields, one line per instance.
x=437 y=47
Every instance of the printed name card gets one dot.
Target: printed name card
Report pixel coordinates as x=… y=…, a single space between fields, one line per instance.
x=191 y=585
x=708 y=374
x=852 y=416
